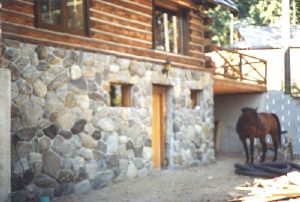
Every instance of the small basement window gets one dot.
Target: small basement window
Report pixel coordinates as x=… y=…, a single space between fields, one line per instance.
x=196 y=98
x=119 y=95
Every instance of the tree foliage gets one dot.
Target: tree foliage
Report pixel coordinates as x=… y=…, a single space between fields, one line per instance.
x=251 y=12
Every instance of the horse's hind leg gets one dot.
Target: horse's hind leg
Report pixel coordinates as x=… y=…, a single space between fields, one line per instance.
x=252 y=149
x=275 y=143
x=264 y=146
x=246 y=149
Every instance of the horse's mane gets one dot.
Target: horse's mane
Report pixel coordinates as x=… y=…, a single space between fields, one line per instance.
x=248 y=109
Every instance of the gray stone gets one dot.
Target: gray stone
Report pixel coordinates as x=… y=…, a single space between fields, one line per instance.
x=75 y=72
x=78 y=86
x=15 y=73
x=27 y=49
x=112 y=143
x=90 y=169
x=87 y=72
x=65 y=119
x=41 y=52
x=51 y=131
x=34 y=157
x=82 y=186
x=23 y=148
x=39 y=89
x=51 y=59
x=45 y=181
x=64 y=189
x=44 y=144
x=98 y=155
x=65 y=175
x=46 y=77
x=52 y=163
x=96 y=97
x=98 y=79
x=92 y=86
x=133 y=68
x=15 y=125
x=61 y=53
x=15 y=111
x=12 y=43
x=18 y=196
x=138 y=162
x=24 y=87
x=102 y=179
x=87 y=141
x=70 y=100
x=43 y=66
x=22 y=63
x=138 y=152
x=102 y=146
x=32 y=192
x=87 y=154
x=58 y=81
x=65 y=148
x=132 y=171
x=65 y=134
x=68 y=62
x=30 y=74
x=78 y=126
x=112 y=161
x=12 y=54
x=143 y=172
x=27 y=134
x=88 y=59
x=106 y=125
x=96 y=135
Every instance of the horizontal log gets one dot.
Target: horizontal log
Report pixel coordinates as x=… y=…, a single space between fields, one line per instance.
x=107 y=36
x=19 y=6
x=15 y=17
x=121 y=30
x=43 y=36
x=122 y=12
x=104 y=16
x=134 y=6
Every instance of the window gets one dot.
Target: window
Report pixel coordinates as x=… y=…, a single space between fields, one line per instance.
x=120 y=95
x=62 y=15
x=170 y=28
x=196 y=96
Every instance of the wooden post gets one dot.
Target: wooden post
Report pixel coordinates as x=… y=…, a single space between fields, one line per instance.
x=285 y=43
x=175 y=34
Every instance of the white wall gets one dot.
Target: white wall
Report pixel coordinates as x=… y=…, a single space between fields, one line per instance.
x=227 y=110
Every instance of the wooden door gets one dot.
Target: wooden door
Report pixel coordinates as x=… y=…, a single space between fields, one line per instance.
x=158 y=126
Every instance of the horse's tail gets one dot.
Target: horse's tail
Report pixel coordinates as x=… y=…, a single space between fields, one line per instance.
x=278 y=128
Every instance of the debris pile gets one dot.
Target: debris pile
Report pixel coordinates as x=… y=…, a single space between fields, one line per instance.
x=283 y=182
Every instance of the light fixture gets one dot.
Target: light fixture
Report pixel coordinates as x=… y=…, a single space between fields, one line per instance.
x=167 y=67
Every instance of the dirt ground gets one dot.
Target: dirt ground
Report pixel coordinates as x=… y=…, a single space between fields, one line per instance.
x=208 y=183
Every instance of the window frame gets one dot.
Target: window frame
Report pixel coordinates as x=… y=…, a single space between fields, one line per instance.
x=182 y=24
x=63 y=26
x=196 y=98
x=125 y=94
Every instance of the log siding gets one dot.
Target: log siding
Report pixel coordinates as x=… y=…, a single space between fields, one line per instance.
x=117 y=27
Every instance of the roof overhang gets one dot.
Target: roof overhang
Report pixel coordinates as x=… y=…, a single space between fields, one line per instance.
x=228 y=4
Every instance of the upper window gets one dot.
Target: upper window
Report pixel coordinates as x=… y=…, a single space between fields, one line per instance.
x=170 y=29
x=62 y=15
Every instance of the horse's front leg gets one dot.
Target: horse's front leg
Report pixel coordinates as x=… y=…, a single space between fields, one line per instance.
x=252 y=149
x=246 y=149
x=264 y=146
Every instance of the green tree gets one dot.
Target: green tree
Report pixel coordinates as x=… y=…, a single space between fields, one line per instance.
x=251 y=12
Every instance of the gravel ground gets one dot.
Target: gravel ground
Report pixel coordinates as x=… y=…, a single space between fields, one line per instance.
x=211 y=182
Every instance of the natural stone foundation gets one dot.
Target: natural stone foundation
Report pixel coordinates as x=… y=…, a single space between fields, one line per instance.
x=71 y=140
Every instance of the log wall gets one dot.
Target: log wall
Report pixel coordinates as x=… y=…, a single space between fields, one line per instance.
x=117 y=27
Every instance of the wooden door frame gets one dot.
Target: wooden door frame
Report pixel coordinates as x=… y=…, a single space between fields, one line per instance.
x=161 y=91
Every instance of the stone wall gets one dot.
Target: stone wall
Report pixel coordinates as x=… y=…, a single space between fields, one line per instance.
x=5 y=101
x=71 y=140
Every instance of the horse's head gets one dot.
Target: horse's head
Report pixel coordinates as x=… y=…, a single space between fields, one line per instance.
x=253 y=118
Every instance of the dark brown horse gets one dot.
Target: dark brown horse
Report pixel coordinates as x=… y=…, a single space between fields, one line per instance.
x=257 y=125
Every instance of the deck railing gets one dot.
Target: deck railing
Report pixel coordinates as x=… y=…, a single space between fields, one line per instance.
x=238 y=66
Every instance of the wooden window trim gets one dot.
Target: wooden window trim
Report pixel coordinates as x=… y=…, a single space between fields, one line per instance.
x=183 y=24
x=63 y=27
x=195 y=98
x=126 y=94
